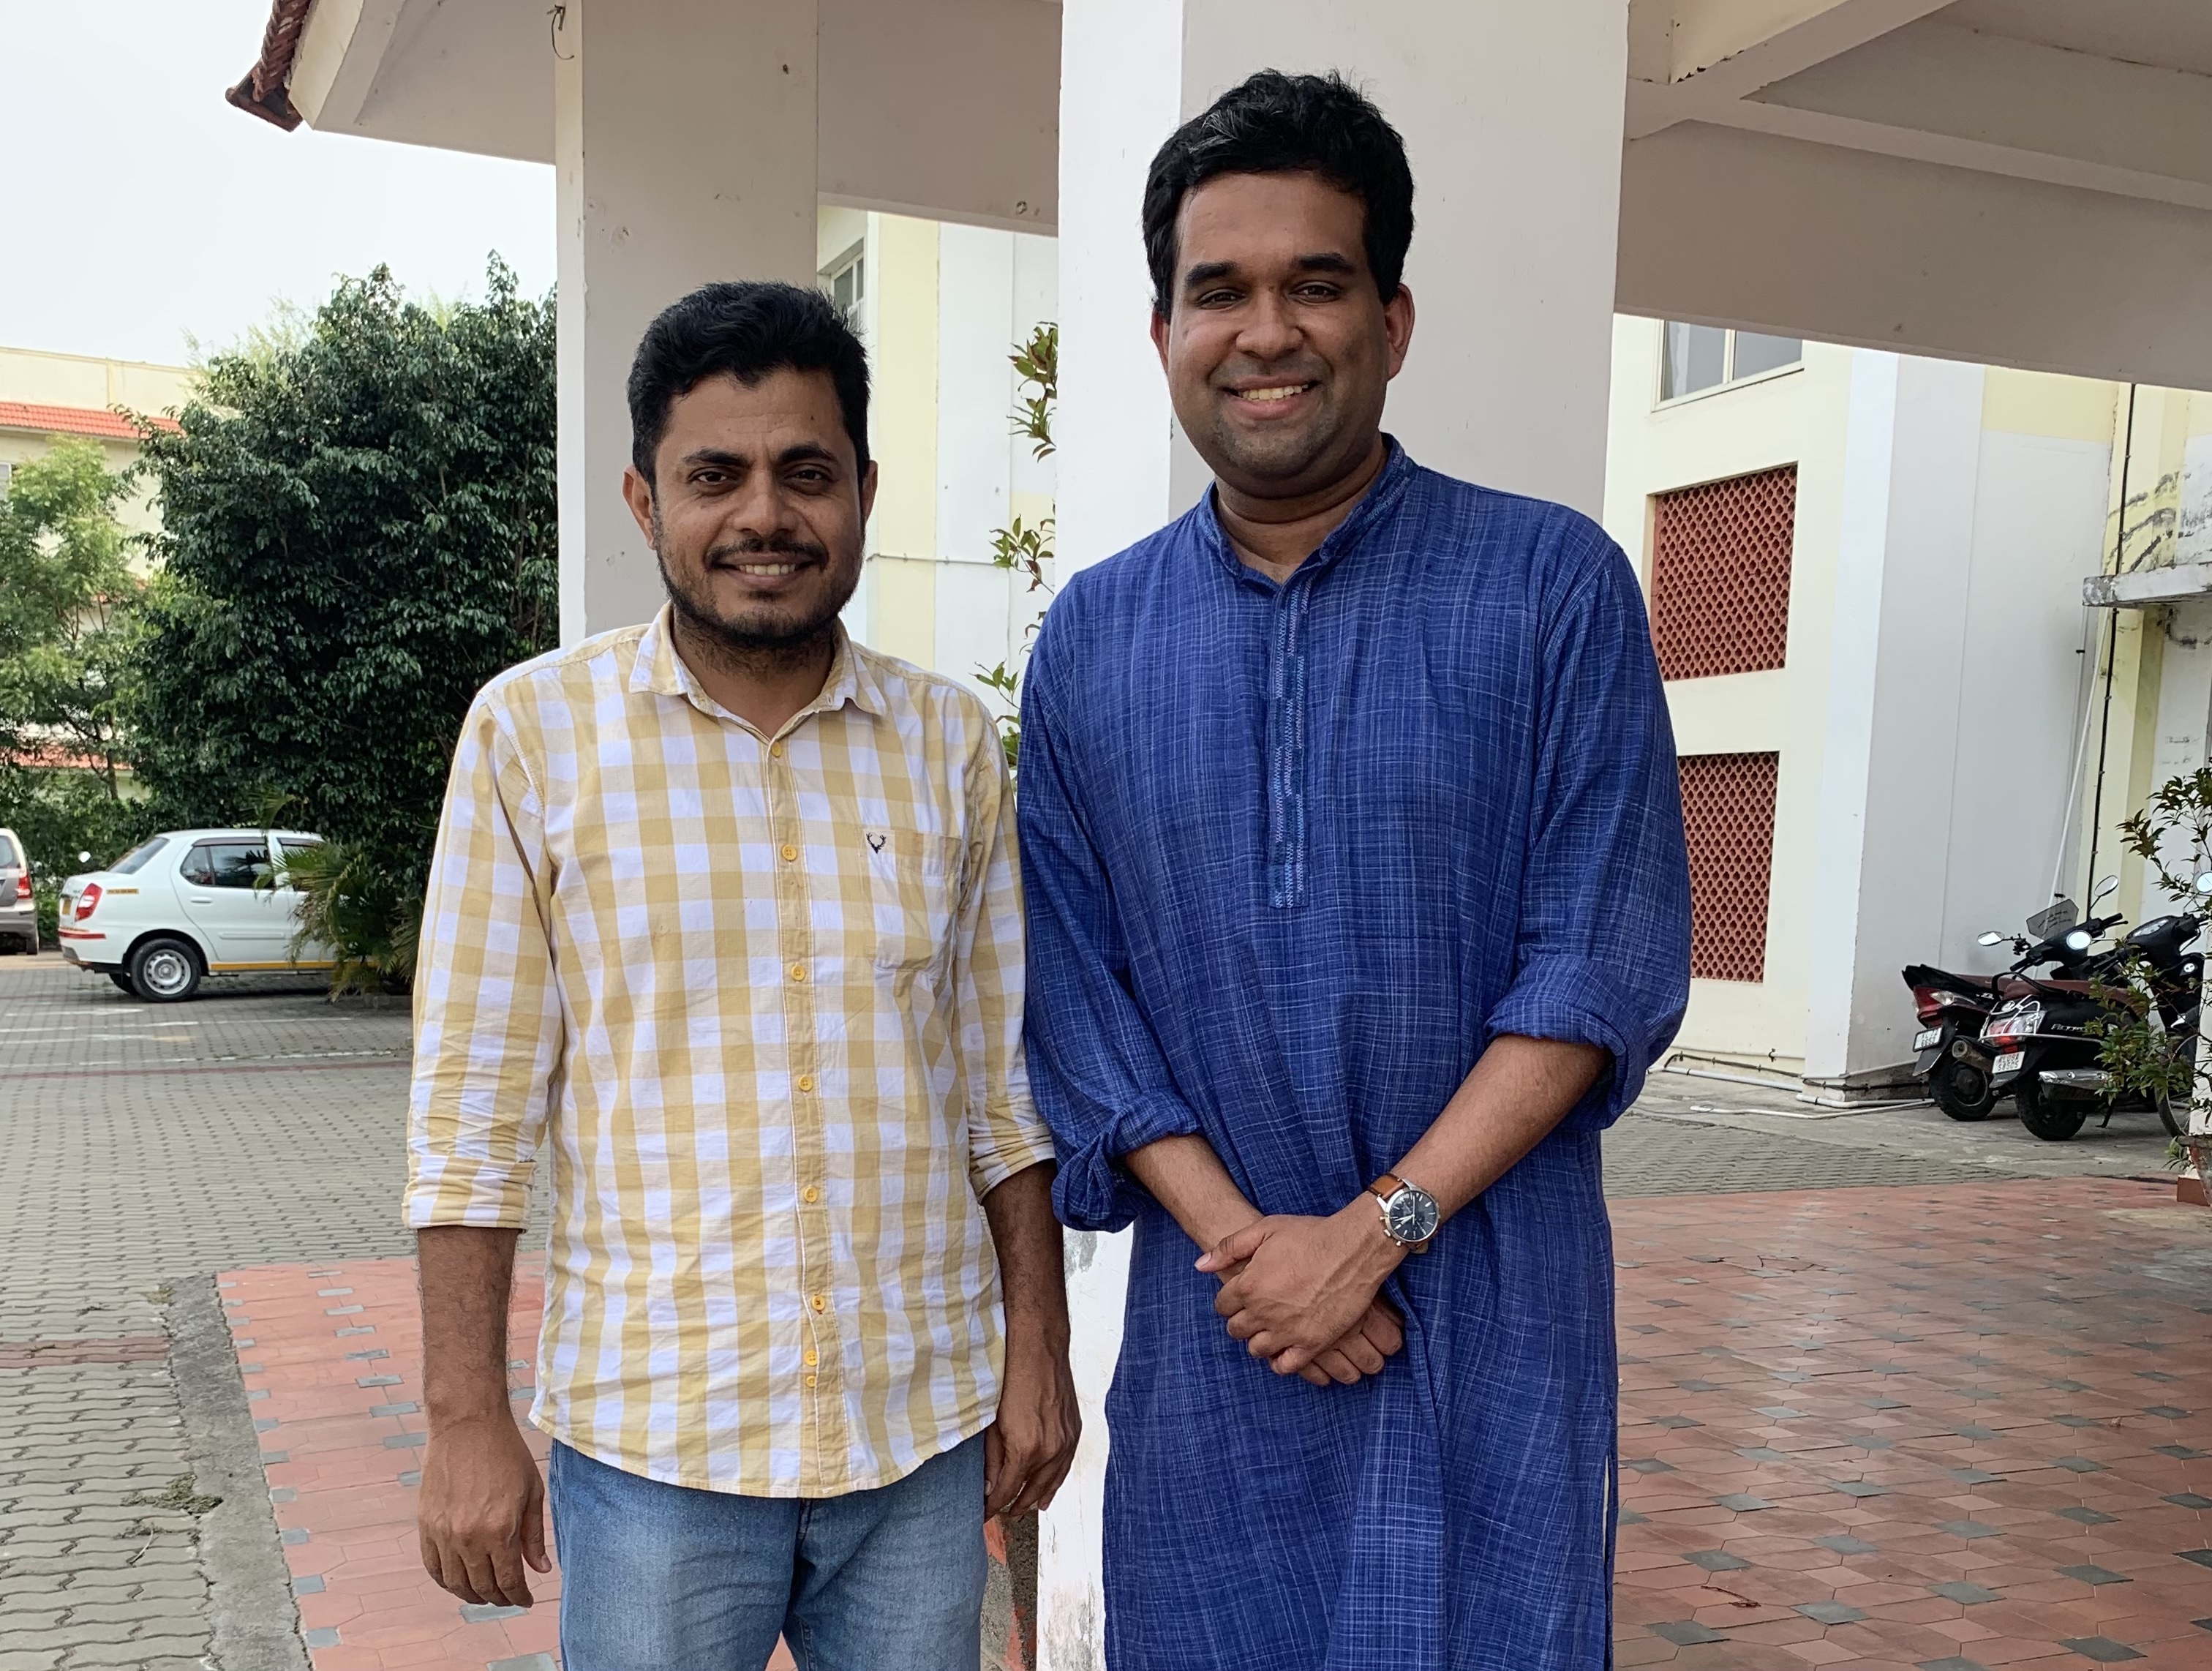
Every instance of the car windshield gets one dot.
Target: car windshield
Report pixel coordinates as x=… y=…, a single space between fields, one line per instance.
x=134 y=861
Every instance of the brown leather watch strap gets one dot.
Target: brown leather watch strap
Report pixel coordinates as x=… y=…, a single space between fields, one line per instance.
x=1386 y=1186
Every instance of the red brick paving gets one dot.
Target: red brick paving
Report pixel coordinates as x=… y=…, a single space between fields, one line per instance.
x=324 y=1348
x=2016 y=1378
x=1998 y=1372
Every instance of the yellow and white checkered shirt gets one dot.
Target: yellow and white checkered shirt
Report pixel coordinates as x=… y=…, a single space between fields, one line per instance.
x=762 y=999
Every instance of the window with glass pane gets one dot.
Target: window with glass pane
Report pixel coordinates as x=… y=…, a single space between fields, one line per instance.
x=134 y=861
x=847 y=281
x=227 y=864
x=1696 y=358
x=1755 y=353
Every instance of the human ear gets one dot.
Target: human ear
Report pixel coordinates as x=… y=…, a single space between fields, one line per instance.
x=1398 y=327
x=637 y=494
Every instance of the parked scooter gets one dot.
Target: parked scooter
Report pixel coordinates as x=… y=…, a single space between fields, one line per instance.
x=2041 y=1046
x=1951 y=1059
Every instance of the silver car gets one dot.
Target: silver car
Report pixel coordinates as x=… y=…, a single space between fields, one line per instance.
x=19 y=912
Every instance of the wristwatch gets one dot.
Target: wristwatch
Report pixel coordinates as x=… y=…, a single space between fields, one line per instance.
x=1409 y=1211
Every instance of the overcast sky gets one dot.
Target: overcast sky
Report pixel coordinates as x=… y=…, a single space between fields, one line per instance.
x=141 y=208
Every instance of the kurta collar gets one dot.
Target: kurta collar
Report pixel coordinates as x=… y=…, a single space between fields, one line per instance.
x=1383 y=495
x=660 y=670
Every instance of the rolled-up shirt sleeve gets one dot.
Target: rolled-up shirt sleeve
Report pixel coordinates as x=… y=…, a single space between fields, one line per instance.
x=1006 y=1133
x=488 y=1020
x=1603 y=952
x=1101 y=1079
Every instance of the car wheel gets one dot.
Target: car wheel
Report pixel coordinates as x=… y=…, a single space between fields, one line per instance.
x=122 y=982
x=2054 y=1122
x=164 y=971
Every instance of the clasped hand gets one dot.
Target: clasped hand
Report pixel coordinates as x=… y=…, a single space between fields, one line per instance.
x=1303 y=1293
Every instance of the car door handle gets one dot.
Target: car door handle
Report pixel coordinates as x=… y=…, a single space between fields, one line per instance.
x=203 y=899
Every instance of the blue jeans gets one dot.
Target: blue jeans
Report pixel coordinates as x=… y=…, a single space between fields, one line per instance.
x=657 y=1577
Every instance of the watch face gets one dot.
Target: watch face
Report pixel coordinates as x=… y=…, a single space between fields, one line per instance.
x=1410 y=1215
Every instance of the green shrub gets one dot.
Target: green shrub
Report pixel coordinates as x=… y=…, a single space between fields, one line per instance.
x=358 y=532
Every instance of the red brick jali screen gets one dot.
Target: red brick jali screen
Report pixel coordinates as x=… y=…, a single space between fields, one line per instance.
x=1728 y=810
x=1720 y=574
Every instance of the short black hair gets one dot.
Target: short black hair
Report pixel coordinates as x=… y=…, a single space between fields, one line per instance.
x=744 y=330
x=1275 y=123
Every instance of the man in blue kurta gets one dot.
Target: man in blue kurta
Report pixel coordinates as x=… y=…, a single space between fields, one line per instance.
x=1358 y=907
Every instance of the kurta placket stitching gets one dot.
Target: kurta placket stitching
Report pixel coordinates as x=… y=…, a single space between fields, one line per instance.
x=1285 y=797
x=822 y=1424
x=1286 y=748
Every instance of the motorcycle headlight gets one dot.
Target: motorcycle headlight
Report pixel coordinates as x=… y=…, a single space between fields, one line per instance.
x=2079 y=940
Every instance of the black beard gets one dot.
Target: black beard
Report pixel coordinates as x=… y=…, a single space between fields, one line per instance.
x=744 y=648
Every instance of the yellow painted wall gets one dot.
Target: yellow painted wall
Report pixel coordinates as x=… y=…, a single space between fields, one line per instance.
x=1790 y=417
x=903 y=422
x=904 y=607
x=73 y=380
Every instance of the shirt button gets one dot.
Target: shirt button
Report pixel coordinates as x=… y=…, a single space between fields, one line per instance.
x=820 y=1303
x=775 y=750
x=810 y=1194
x=806 y=1081
x=799 y=971
x=812 y=1357
x=810 y=1380
x=790 y=853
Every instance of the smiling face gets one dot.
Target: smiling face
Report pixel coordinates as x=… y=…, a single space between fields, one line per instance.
x=1279 y=351
x=756 y=509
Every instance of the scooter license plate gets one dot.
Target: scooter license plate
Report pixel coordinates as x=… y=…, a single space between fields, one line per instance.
x=2009 y=1062
x=1927 y=1039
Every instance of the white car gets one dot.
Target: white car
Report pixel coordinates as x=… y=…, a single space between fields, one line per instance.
x=187 y=904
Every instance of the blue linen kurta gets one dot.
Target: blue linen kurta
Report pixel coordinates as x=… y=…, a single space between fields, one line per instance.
x=1293 y=855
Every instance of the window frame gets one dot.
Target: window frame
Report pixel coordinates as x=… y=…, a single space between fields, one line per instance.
x=855 y=255
x=1661 y=401
x=209 y=844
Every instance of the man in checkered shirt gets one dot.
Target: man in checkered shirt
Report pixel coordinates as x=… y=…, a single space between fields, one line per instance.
x=724 y=917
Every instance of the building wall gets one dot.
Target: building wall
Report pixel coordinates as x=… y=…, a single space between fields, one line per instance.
x=1930 y=712
x=1795 y=417
x=91 y=385
x=943 y=308
x=2147 y=701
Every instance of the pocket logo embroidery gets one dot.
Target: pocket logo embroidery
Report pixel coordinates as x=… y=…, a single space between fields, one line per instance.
x=876 y=840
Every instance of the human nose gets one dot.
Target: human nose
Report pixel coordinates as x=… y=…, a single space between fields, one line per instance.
x=1269 y=331
x=761 y=508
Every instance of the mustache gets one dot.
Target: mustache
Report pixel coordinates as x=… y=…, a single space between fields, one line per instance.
x=773 y=545
x=1301 y=371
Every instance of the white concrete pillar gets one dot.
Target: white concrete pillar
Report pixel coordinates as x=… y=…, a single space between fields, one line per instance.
x=1912 y=451
x=1513 y=116
x=684 y=152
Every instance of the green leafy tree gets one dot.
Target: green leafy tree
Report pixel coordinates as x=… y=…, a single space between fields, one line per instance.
x=66 y=617
x=69 y=626
x=2172 y=836
x=358 y=530
x=1026 y=548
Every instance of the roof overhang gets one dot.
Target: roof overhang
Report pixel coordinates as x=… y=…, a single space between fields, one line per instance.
x=912 y=135
x=2022 y=182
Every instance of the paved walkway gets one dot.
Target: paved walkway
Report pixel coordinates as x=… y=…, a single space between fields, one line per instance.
x=149 y=1147
x=1960 y=1427
x=1947 y=1428
x=146 y=1146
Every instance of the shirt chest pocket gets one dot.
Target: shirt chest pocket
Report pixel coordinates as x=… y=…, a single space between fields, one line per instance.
x=914 y=895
